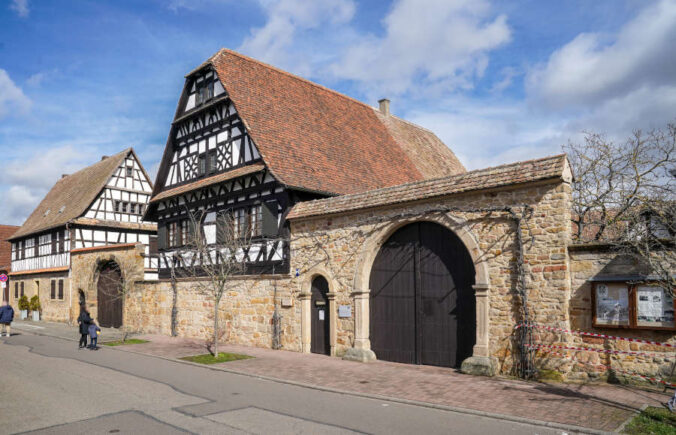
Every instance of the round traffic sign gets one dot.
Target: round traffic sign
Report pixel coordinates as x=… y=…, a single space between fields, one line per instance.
x=3 y=277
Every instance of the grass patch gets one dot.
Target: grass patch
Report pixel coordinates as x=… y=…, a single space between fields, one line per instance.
x=210 y=359
x=550 y=375
x=129 y=341
x=652 y=420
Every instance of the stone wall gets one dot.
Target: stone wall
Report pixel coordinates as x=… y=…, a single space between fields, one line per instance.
x=53 y=310
x=245 y=311
x=349 y=243
x=85 y=267
x=587 y=262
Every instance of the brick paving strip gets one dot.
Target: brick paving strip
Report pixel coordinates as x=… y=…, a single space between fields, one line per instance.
x=601 y=407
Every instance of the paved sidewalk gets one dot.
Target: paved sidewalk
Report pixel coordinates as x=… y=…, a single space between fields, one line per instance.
x=600 y=406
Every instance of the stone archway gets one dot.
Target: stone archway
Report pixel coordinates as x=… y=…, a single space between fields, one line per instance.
x=361 y=350
x=306 y=308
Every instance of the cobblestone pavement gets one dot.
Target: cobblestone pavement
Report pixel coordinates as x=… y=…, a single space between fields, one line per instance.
x=597 y=406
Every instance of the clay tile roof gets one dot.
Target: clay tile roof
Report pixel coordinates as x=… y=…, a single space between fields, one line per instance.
x=489 y=178
x=6 y=232
x=244 y=170
x=76 y=192
x=314 y=138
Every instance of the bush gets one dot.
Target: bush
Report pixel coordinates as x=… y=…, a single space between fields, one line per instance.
x=23 y=303
x=35 y=303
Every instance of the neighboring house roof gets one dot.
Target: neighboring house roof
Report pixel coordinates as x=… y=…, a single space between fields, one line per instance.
x=6 y=232
x=74 y=193
x=489 y=178
x=316 y=139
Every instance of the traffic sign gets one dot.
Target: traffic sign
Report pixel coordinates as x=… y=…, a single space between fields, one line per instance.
x=3 y=277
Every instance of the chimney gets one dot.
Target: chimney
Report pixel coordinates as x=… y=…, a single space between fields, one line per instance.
x=104 y=157
x=384 y=106
x=64 y=175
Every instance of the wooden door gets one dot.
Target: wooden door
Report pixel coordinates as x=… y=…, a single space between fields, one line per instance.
x=422 y=302
x=109 y=296
x=320 y=317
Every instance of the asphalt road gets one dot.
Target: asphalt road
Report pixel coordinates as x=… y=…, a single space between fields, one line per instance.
x=47 y=385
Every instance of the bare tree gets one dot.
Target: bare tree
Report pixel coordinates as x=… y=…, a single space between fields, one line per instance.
x=215 y=248
x=624 y=194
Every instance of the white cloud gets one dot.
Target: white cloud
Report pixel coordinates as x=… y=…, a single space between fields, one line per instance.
x=285 y=20
x=18 y=203
x=594 y=68
x=28 y=179
x=434 y=45
x=20 y=7
x=46 y=166
x=12 y=97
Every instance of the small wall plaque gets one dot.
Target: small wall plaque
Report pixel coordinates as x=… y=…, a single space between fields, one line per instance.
x=287 y=302
x=344 y=311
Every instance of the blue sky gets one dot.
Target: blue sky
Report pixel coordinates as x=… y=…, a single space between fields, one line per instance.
x=498 y=81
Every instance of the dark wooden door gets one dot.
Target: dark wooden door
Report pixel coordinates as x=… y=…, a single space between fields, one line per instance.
x=109 y=296
x=320 y=317
x=422 y=301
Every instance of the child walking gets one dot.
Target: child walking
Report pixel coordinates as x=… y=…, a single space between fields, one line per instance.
x=94 y=332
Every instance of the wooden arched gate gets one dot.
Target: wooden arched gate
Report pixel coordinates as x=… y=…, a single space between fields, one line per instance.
x=422 y=305
x=109 y=296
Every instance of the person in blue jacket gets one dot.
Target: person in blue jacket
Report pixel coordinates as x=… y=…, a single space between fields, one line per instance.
x=94 y=332
x=6 y=317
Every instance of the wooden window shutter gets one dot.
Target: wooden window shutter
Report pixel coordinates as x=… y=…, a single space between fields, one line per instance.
x=22 y=288
x=152 y=246
x=191 y=230
x=54 y=241
x=23 y=249
x=16 y=290
x=61 y=289
x=221 y=228
x=161 y=236
x=269 y=215
x=62 y=241
x=52 y=294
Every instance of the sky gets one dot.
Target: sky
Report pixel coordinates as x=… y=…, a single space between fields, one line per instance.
x=498 y=81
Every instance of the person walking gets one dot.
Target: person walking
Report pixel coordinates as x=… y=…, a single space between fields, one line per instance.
x=6 y=317
x=84 y=320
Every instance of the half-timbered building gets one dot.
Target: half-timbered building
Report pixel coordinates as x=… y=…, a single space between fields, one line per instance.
x=97 y=207
x=254 y=140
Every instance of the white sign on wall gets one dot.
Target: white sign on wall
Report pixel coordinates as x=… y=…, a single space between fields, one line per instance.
x=344 y=311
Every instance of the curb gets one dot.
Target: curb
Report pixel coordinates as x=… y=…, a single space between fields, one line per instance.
x=468 y=411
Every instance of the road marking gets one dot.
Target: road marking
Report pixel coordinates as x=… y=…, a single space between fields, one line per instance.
x=28 y=326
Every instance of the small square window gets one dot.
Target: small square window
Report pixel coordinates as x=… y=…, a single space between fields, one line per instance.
x=132 y=208
x=129 y=171
x=125 y=207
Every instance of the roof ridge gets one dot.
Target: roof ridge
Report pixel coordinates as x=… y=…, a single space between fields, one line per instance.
x=297 y=77
x=94 y=164
x=377 y=110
